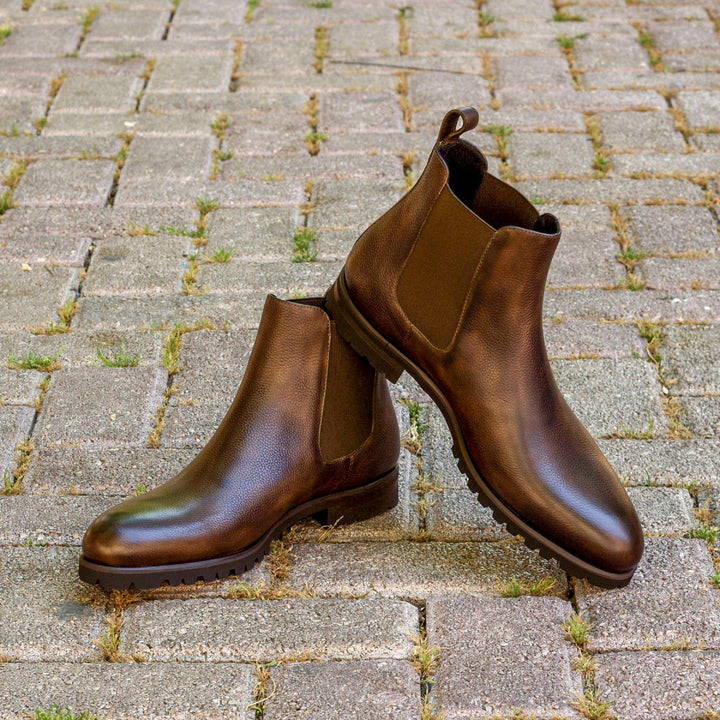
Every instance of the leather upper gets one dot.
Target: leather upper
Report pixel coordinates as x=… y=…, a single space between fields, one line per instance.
x=266 y=457
x=485 y=350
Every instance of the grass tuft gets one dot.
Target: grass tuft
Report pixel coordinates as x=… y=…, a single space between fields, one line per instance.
x=562 y=16
x=516 y=588
x=56 y=713
x=120 y=359
x=33 y=361
x=303 y=245
x=578 y=629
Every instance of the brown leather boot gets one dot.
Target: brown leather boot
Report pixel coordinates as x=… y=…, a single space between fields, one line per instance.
x=448 y=285
x=311 y=432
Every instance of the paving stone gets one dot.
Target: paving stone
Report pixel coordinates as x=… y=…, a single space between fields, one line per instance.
x=254 y=234
x=661 y=685
x=376 y=143
x=208 y=73
x=18 y=113
x=248 y=193
x=145 y=24
x=579 y=338
x=612 y=396
x=690 y=164
x=353 y=203
x=659 y=229
x=664 y=462
x=335 y=244
x=520 y=9
x=46 y=612
x=350 y=690
x=289 y=279
x=587 y=100
x=533 y=71
x=676 y=306
x=683 y=36
x=457 y=516
x=701 y=61
x=44 y=250
x=425 y=22
x=701 y=107
x=41 y=40
x=690 y=354
x=104 y=406
x=668 y=602
x=634 y=130
x=361 y=112
x=66 y=182
x=530 y=670
x=612 y=189
x=702 y=415
x=301 y=165
x=428 y=93
x=83 y=94
x=598 y=52
x=163 y=102
x=95 y=223
x=681 y=273
x=587 y=259
x=416 y=569
x=176 y=159
x=105 y=471
x=15 y=425
x=707 y=142
x=29 y=304
x=18 y=387
x=270 y=629
x=137 y=266
x=378 y=38
x=535 y=120
x=584 y=217
x=75 y=348
x=664 y=511
x=124 y=313
x=539 y=154
x=48 y=519
x=267 y=56
x=73 y=146
x=122 y=690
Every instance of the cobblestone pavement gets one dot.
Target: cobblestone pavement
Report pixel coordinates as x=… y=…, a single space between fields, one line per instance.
x=165 y=163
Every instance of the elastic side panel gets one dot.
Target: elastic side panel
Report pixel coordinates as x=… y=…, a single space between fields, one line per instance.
x=347 y=412
x=436 y=279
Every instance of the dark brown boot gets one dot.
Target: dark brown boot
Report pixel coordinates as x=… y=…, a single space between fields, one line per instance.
x=448 y=285
x=311 y=432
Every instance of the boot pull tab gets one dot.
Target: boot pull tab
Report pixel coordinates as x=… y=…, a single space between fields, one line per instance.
x=449 y=131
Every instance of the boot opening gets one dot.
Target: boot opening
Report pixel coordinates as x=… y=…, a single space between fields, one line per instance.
x=467 y=167
x=491 y=199
x=547 y=224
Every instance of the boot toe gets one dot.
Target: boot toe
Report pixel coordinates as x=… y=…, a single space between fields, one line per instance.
x=104 y=541
x=623 y=543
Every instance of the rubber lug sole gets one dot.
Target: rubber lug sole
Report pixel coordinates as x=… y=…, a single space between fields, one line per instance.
x=347 y=506
x=386 y=358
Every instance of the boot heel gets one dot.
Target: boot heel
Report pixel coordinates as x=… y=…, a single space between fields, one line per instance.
x=361 y=503
x=355 y=329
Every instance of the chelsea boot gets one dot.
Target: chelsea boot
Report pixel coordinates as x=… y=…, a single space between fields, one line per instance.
x=448 y=286
x=311 y=432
